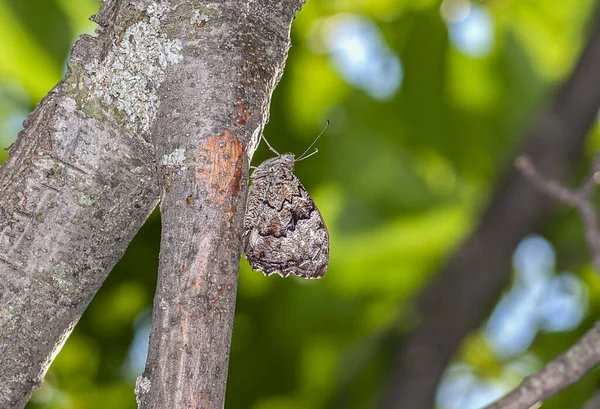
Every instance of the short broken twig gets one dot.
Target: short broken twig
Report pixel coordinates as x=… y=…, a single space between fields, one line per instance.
x=580 y=198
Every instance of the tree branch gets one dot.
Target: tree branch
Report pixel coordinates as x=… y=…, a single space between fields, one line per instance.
x=581 y=199
x=213 y=106
x=585 y=354
x=77 y=186
x=557 y=375
x=457 y=301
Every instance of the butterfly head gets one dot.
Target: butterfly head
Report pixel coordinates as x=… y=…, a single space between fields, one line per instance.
x=283 y=163
x=277 y=165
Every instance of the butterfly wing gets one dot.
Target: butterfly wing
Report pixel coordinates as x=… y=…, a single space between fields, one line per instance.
x=284 y=232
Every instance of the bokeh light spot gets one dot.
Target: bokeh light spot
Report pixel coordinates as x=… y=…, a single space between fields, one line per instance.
x=361 y=56
x=470 y=26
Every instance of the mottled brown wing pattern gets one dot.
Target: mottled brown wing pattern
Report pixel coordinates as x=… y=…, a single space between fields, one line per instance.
x=284 y=232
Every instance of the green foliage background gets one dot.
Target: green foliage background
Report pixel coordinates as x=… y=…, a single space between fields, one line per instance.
x=400 y=181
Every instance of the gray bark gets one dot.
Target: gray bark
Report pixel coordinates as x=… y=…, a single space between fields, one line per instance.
x=458 y=299
x=77 y=186
x=214 y=104
x=167 y=101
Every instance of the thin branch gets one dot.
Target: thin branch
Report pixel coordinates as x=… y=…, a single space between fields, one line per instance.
x=593 y=177
x=581 y=198
x=557 y=375
x=550 y=187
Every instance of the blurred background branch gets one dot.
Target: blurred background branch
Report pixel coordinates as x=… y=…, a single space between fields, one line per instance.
x=585 y=353
x=557 y=375
x=457 y=301
x=581 y=199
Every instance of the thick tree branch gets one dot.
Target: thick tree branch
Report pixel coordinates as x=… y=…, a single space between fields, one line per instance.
x=213 y=106
x=557 y=375
x=457 y=301
x=77 y=186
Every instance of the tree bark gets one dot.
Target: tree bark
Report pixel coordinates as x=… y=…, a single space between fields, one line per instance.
x=457 y=300
x=77 y=186
x=167 y=101
x=214 y=104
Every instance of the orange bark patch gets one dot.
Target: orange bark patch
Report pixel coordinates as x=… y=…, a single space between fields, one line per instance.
x=218 y=166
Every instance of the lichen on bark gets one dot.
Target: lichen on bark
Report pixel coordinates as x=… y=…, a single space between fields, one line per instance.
x=125 y=82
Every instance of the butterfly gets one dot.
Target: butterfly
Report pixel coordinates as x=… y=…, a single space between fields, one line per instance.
x=284 y=232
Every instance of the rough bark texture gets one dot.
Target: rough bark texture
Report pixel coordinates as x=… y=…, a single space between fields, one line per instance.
x=457 y=301
x=78 y=184
x=213 y=105
x=89 y=166
x=563 y=371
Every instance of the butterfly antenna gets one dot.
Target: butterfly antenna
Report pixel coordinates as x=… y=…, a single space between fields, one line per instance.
x=307 y=156
x=269 y=145
x=302 y=157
